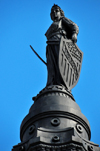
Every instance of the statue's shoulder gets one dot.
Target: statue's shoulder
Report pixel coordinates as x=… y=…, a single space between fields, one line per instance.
x=68 y=21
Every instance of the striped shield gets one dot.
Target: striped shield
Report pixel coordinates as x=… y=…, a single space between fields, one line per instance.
x=70 y=60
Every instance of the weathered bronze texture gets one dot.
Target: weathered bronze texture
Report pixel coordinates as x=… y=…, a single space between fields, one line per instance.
x=55 y=121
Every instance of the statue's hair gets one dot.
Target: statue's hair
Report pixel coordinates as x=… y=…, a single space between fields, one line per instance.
x=56 y=6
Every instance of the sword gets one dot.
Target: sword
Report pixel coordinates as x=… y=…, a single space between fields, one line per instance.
x=38 y=56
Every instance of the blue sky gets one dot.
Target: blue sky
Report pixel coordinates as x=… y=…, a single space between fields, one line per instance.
x=23 y=75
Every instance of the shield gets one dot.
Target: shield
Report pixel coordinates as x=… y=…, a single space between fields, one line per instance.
x=70 y=60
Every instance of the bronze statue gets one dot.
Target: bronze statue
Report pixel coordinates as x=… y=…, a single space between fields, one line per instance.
x=61 y=33
x=64 y=58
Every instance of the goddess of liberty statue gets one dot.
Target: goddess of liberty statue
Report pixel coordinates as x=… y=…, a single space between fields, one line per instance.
x=63 y=56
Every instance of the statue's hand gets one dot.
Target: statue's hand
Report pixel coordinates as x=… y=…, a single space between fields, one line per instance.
x=74 y=37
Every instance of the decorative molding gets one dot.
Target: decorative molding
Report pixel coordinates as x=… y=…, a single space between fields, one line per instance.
x=54 y=90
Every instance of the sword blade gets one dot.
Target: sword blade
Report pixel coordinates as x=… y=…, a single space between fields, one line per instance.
x=38 y=55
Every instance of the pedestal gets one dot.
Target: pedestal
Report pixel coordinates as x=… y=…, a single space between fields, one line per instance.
x=55 y=123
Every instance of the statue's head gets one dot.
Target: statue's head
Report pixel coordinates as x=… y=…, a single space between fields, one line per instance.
x=56 y=13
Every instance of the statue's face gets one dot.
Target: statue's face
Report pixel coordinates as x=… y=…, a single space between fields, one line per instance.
x=56 y=15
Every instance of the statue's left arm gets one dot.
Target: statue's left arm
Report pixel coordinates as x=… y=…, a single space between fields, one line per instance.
x=72 y=28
